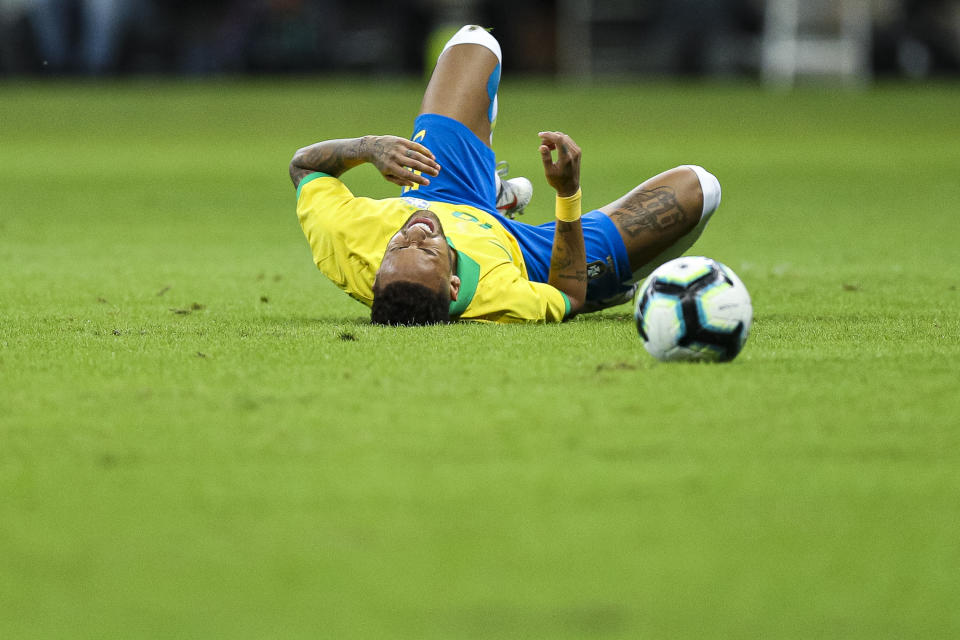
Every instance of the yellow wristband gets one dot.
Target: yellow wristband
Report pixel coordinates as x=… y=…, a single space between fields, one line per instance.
x=568 y=207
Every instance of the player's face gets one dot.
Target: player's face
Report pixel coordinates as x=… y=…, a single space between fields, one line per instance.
x=419 y=253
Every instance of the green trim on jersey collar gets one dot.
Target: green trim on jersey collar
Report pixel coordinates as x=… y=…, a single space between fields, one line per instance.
x=468 y=270
x=311 y=176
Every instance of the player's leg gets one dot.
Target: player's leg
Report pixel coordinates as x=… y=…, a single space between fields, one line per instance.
x=464 y=88
x=662 y=218
x=465 y=81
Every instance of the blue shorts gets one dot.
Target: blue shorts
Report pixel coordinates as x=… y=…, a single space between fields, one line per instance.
x=467 y=177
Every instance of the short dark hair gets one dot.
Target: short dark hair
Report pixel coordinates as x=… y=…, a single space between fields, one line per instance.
x=409 y=304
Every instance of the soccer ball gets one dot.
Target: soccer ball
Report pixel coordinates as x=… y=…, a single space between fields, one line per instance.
x=693 y=308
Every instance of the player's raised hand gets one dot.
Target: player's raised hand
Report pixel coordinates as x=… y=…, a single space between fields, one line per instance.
x=563 y=174
x=399 y=160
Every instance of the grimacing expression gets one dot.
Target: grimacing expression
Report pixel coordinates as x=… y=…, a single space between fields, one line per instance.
x=418 y=252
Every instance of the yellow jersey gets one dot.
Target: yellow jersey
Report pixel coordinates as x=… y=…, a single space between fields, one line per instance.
x=348 y=236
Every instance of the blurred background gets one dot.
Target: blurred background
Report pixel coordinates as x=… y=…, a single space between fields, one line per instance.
x=778 y=41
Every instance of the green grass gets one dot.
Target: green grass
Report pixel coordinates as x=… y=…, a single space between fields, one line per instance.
x=201 y=437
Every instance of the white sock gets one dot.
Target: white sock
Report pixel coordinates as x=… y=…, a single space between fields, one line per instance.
x=710 y=187
x=473 y=34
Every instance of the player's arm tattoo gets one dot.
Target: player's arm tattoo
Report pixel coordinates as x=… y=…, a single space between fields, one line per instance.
x=568 y=264
x=332 y=157
x=563 y=262
x=650 y=210
x=377 y=151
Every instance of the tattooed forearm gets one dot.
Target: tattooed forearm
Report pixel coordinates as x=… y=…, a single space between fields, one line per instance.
x=568 y=263
x=579 y=276
x=560 y=259
x=332 y=157
x=563 y=264
x=649 y=210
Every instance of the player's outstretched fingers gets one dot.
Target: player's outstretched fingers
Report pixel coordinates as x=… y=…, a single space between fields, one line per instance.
x=389 y=177
x=402 y=161
x=416 y=161
x=420 y=158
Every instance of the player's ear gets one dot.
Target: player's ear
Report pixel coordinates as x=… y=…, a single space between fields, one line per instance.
x=454 y=287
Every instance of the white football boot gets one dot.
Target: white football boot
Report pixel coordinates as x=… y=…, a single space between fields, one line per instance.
x=514 y=194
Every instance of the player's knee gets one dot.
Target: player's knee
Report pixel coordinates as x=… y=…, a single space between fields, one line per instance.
x=709 y=187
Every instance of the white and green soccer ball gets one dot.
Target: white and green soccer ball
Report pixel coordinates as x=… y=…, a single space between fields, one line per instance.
x=693 y=308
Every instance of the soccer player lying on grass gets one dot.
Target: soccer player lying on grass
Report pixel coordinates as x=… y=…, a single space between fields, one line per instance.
x=449 y=249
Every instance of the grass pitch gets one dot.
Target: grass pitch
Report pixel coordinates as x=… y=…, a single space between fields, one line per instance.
x=201 y=437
